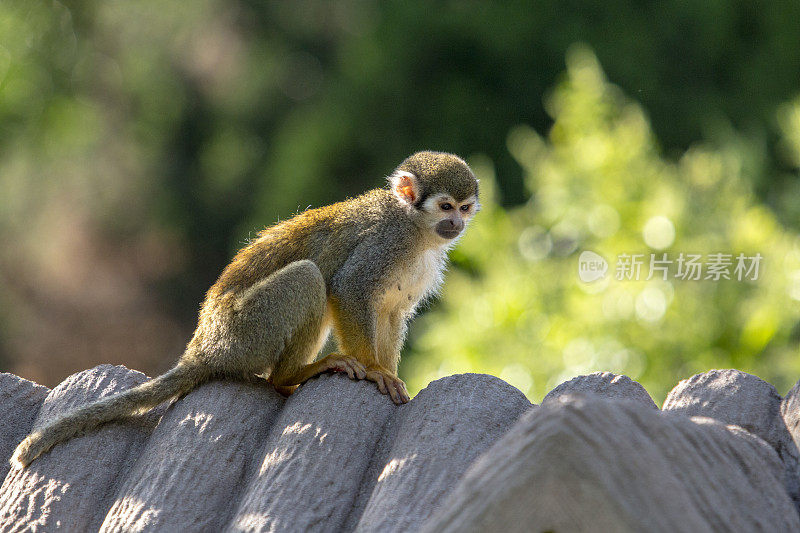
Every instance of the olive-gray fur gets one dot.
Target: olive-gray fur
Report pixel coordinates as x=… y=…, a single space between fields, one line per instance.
x=360 y=267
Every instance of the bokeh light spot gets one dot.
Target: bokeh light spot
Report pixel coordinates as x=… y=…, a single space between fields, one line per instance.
x=659 y=232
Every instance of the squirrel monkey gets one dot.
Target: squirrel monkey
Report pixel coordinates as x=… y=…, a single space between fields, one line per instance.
x=359 y=267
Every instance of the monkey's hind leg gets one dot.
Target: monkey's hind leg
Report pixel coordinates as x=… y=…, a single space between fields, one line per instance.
x=285 y=314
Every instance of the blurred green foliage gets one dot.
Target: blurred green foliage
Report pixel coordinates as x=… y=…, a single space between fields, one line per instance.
x=518 y=308
x=142 y=142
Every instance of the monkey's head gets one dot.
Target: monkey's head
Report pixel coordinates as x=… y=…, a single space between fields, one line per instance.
x=439 y=192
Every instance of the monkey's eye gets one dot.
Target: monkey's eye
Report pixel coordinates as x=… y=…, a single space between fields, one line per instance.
x=466 y=207
x=446 y=206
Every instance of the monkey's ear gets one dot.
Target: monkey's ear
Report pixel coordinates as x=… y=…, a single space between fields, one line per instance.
x=404 y=186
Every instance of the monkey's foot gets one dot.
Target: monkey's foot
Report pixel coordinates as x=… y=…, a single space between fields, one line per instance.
x=285 y=390
x=341 y=363
x=389 y=384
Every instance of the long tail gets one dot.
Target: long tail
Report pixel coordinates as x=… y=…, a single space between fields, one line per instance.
x=177 y=381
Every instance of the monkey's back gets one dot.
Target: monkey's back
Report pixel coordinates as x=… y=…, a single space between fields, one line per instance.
x=308 y=235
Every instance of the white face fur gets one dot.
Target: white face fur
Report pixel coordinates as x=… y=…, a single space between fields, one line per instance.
x=445 y=217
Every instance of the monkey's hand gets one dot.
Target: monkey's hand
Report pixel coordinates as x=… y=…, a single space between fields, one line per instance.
x=389 y=384
x=335 y=362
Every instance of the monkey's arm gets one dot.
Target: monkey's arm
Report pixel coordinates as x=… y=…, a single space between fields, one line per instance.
x=359 y=339
x=355 y=320
x=355 y=291
x=392 y=326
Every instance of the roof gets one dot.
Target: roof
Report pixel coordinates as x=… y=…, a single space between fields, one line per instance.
x=468 y=453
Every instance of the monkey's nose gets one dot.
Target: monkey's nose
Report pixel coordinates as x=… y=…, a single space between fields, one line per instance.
x=449 y=228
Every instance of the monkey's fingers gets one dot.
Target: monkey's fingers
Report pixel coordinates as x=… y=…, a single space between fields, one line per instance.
x=349 y=365
x=401 y=388
x=393 y=392
x=354 y=368
x=391 y=385
x=400 y=395
x=345 y=367
x=358 y=368
x=378 y=378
